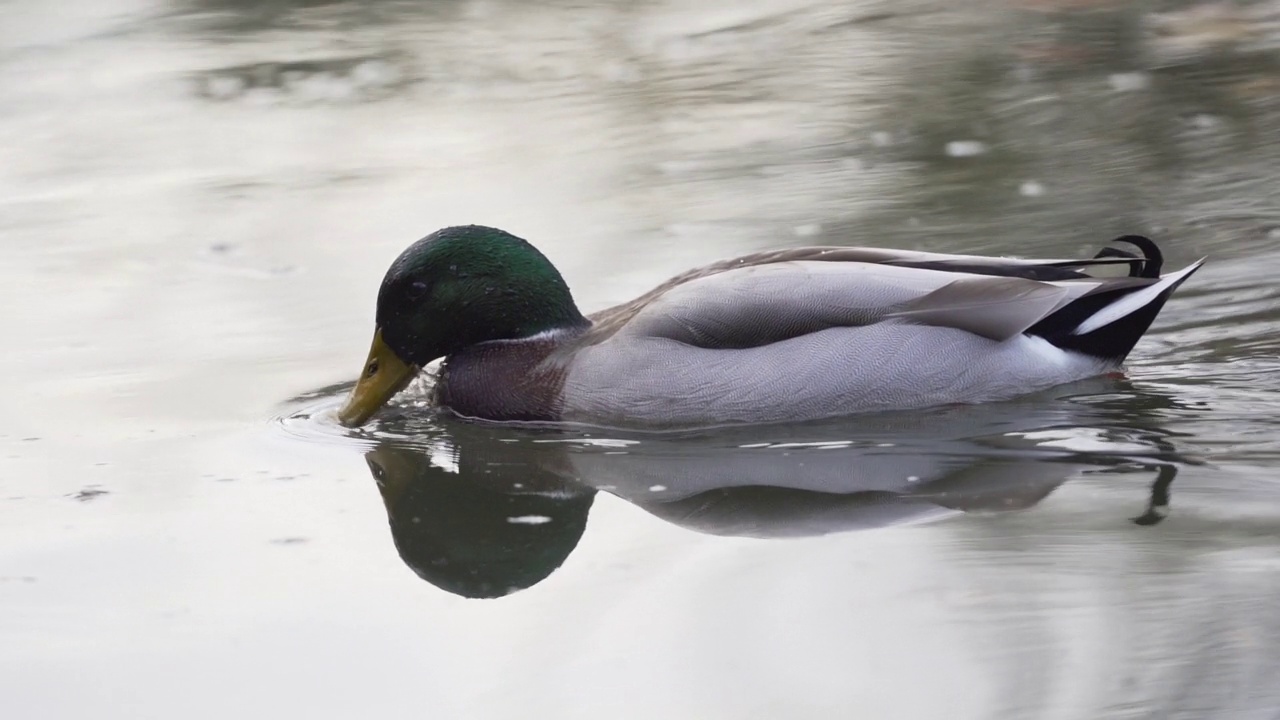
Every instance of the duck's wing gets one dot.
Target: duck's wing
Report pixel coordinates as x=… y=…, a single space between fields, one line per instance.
x=755 y=306
x=787 y=292
x=758 y=303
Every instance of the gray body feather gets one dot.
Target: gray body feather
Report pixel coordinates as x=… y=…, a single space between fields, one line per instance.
x=830 y=372
x=790 y=340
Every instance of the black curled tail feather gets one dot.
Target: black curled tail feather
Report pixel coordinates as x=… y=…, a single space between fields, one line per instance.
x=1147 y=265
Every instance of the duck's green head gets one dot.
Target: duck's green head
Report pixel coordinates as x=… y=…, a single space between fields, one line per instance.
x=455 y=288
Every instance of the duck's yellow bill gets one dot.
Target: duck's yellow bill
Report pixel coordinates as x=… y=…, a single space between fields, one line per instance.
x=383 y=376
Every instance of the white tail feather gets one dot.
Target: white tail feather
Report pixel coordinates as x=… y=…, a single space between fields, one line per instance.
x=1134 y=301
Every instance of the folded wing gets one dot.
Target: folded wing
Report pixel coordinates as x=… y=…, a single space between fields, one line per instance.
x=770 y=297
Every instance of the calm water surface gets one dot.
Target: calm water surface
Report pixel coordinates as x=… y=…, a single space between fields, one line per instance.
x=198 y=199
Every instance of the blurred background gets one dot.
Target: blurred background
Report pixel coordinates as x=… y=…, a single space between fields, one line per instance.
x=198 y=199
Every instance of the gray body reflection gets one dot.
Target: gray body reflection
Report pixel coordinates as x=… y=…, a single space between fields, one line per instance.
x=484 y=511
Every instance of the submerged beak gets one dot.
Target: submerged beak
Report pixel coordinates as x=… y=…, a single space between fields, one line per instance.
x=384 y=375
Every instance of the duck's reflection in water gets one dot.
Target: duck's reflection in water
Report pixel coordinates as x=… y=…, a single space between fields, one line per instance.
x=481 y=511
x=475 y=529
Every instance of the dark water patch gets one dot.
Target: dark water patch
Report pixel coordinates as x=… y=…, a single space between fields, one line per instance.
x=90 y=493
x=321 y=80
x=237 y=18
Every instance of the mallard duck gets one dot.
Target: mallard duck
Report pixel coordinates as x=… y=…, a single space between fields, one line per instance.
x=778 y=336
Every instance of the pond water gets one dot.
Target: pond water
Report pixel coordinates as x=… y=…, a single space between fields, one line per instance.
x=198 y=199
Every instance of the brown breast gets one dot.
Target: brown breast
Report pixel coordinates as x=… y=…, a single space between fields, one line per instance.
x=504 y=380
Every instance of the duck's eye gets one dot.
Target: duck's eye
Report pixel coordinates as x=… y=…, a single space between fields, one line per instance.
x=371 y=369
x=417 y=289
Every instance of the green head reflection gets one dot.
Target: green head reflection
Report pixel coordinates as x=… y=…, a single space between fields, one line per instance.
x=474 y=538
